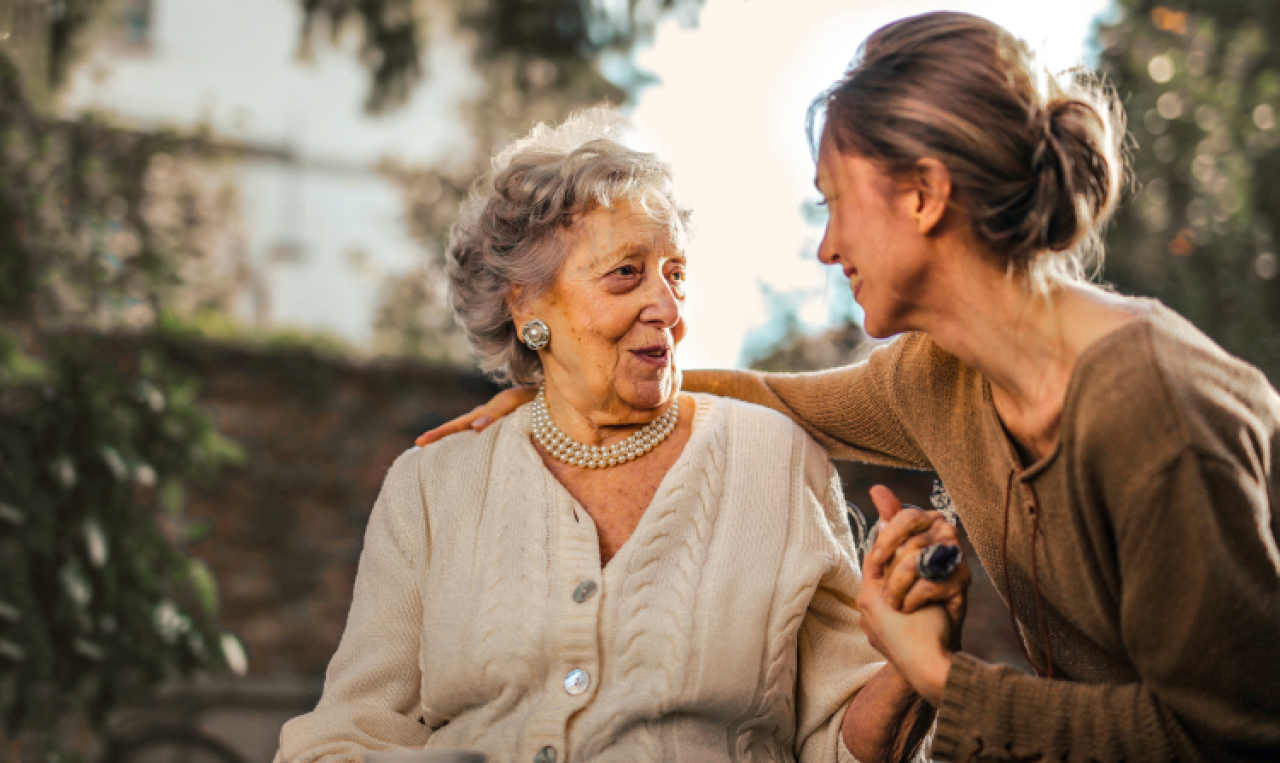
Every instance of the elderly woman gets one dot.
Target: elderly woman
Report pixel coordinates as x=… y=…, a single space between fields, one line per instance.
x=617 y=572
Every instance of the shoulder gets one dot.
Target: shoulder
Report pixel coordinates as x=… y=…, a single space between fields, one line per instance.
x=1158 y=386
x=919 y=360
x=769 y=441
x=454 y=463
x=1197 y=372
x=464 y=448
x=926 y=381
x=747 y=421
x=728 y=411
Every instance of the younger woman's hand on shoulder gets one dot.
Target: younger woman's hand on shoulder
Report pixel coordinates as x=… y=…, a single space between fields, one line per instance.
x=477 y=420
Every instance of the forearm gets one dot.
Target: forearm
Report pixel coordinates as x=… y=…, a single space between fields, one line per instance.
x=846 y=410
x=748 y=386
x=1000 y=711
x=887 y=719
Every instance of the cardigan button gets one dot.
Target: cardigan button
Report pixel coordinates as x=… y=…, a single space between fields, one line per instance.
x=545 y=755
x=585 y=590
x=577 y=681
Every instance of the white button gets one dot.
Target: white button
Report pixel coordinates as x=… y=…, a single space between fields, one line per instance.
x=577 y=681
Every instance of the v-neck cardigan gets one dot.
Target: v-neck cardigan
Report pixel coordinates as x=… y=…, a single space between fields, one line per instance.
x=1140 y=554
x=725 y=628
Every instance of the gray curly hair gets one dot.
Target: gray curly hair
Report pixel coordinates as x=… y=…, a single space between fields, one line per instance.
x=512 y=231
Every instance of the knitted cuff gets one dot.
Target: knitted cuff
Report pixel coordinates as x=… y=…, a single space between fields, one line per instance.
x=957 y=716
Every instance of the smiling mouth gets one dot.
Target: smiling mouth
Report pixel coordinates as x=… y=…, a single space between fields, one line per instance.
x=657 y=356
x=855 y=280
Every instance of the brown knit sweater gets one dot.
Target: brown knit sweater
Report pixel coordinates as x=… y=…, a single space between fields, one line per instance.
x=1154 y=591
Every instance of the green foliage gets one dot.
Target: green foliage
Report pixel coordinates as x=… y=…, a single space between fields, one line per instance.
x=99 y=598
x=560 y=37
x=565 y=32
x=1201 y=86
x=391 y=42
x=98 y=595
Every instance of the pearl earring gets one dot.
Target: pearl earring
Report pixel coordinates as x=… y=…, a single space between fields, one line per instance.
x=535 y=334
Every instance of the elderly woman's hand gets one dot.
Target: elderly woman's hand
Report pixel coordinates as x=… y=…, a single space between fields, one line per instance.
x=502 y=403
x=903 y=534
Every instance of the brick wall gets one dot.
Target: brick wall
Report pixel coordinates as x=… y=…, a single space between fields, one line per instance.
x=319 y=434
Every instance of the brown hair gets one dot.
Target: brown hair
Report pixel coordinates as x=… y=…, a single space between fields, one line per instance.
x=1036 y=160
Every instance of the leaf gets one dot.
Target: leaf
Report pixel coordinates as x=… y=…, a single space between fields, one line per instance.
x=205 y=586
x=234 y=654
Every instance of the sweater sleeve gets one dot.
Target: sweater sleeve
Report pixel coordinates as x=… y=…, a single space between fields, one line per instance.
x=371 y=690
x=849 y=410
x=1199 y=611
x=835 y=658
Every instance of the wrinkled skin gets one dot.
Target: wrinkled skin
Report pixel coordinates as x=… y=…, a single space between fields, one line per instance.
x=615 y=314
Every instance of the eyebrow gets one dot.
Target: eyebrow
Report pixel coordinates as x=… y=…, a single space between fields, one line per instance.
x=626 y=250
x=637 y=248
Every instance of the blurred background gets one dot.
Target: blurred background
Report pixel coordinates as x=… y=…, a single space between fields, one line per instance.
x=222 y=316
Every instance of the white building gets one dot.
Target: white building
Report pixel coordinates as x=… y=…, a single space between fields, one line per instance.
x=323 y=226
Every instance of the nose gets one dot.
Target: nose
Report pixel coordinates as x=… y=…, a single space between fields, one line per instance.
x=827 y=253
x=664 y=307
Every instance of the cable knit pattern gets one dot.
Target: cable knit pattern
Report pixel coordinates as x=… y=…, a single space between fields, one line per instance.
x=723 y=630
x=660 y=591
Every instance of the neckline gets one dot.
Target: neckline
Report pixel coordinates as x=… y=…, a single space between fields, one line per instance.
x=1086 y=359
x=522 y=421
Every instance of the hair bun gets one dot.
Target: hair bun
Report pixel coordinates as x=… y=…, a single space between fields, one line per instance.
x=1073 y=190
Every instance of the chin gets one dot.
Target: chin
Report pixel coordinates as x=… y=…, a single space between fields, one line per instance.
x=876 y=332
x=650 y=394
x=877 y=328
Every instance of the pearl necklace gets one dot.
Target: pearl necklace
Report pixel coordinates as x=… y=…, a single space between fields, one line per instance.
x=593 y=456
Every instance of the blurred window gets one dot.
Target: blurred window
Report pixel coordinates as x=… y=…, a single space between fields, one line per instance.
x=133 y=25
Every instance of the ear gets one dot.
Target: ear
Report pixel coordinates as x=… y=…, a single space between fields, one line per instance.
x=932 y=194
x=516 y=304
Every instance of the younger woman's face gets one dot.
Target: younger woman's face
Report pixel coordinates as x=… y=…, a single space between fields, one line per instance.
x=873 y=236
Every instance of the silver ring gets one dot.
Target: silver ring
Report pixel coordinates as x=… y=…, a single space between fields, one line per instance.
x=938 y=562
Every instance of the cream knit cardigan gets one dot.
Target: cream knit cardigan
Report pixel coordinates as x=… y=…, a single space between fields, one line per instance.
x=724 y=629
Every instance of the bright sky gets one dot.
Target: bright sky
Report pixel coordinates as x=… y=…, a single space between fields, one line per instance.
x=729 y=115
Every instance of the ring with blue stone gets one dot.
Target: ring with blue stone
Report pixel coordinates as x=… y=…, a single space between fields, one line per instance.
x=938 y=562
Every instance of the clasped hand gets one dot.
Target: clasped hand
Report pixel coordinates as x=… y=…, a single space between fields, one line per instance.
x=913 y=622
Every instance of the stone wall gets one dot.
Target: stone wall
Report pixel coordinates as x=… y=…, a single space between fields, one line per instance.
x=319 y=434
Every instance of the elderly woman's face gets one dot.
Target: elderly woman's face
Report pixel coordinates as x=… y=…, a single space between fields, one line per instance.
x=615 y=315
